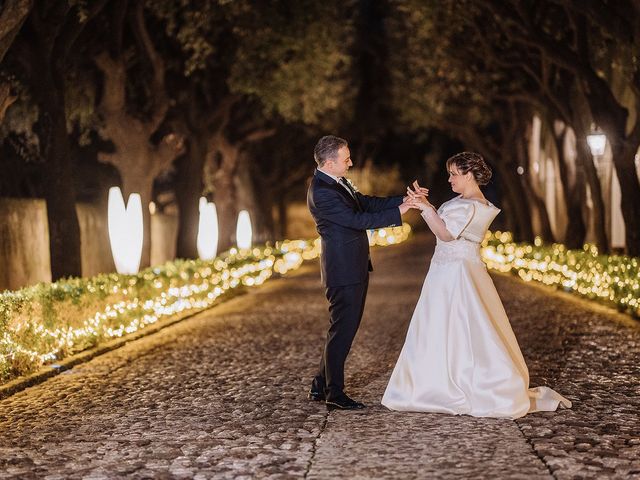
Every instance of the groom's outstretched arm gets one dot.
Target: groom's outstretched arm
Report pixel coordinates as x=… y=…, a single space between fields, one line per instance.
x=377 y=204
x=330 y=206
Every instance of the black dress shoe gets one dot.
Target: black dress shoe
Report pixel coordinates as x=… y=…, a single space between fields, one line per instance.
x=344 y=403
x=316 y=395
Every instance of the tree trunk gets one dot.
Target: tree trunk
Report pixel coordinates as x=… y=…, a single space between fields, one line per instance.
x=254 y=195
x=227 y=212
x=188 y=193
x=13 y=13
x=137 y=157
x=546 y=232
x=573 y=190
x=265 y=221
x=51 y=128
x=511 y=220
x=612 y=118
x=225 y=195
x=283 y=225
x=624 y=161
x=534 y=199
x=519 y=203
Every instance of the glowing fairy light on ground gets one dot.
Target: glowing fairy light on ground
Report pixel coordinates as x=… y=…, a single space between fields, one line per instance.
x=610 y=279
x=84 y=312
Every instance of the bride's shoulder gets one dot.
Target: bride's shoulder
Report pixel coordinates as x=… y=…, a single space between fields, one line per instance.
x=459 y=200
x=455 y=204
x=450 y=201
x=454 y=201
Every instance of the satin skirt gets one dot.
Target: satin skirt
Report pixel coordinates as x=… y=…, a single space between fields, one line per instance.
x=460 y=355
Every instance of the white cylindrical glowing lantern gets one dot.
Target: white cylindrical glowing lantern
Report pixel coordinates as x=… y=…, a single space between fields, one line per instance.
x=243 y=230
x=125 y=231
x=207 y=242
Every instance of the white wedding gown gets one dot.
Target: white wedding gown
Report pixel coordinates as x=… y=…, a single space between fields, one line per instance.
x=460 y=355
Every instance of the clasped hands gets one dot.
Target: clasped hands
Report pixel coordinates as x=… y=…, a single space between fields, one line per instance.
x=416 y=198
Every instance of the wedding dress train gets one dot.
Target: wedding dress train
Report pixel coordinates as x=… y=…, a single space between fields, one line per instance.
x=460 y=355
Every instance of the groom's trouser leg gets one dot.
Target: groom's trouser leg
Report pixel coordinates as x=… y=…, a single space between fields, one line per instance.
x=346 y=305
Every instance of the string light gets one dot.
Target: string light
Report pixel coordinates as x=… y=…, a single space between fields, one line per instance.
x=47 y=322
x=389 y=236
x=610 y=279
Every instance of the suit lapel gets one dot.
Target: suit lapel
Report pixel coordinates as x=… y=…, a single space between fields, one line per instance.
x=347 y=195
x=353 y=195
x=339 y=188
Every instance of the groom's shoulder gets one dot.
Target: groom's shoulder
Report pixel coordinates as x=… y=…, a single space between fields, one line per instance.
x=319 y=187
x=321 y=191
x=320 y=181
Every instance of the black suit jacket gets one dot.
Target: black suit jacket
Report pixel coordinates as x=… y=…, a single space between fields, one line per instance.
x=342 y=223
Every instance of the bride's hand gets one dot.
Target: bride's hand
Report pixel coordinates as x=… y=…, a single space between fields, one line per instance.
x=419 y=200
x=420 y=190
x=417 y=189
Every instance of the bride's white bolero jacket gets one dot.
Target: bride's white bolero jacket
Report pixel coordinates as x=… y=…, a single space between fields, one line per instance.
x=467 y=219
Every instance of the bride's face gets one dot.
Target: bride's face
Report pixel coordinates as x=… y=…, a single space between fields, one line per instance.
x=457 y=179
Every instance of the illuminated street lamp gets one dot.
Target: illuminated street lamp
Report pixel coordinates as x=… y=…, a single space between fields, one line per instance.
x=125 y=231
x=597 y=142
x=244 y=230
x=207 y=241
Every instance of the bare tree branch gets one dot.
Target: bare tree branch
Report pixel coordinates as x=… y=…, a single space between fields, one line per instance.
x=113 y=92
x=258 y=135
x=119 y=13
x=170 y=148
x=6 y=99
x=74 y=26
x=159 y=94
x=12 y=15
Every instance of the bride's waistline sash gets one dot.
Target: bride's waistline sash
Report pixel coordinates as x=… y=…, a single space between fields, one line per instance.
x=455 y=251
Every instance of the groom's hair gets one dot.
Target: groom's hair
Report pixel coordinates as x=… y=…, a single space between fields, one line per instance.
x=327 y=148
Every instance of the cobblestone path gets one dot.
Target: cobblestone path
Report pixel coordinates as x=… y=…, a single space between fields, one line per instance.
x=222 y=395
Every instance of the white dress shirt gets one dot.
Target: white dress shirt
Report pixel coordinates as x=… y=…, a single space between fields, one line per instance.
x=337 y=179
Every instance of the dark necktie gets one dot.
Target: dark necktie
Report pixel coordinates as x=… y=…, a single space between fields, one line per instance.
x=343 y=181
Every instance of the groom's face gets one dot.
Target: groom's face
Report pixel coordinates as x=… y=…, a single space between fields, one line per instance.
x=341 y=163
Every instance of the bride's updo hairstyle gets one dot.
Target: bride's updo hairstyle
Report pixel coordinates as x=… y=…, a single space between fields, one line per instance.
x=471 y=162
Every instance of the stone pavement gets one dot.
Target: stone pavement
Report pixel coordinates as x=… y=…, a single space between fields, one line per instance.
x=222 y=395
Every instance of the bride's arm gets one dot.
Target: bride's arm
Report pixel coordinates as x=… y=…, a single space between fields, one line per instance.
x=428 y=212
x=435 y=223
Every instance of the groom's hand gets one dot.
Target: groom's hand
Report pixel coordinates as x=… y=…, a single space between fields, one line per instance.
x=406 y=206
x=419 y=200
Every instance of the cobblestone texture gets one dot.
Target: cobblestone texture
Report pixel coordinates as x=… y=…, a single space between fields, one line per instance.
x=222 y=395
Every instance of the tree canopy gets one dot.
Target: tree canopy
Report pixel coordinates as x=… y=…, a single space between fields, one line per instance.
x=186 y=97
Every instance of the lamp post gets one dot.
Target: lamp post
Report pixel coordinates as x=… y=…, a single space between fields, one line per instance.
x=597 y=142
x=611 y=194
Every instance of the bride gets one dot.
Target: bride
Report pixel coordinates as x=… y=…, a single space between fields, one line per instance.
x=460 y=355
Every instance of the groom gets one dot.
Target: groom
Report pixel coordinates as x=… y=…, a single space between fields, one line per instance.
x=342 y=218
